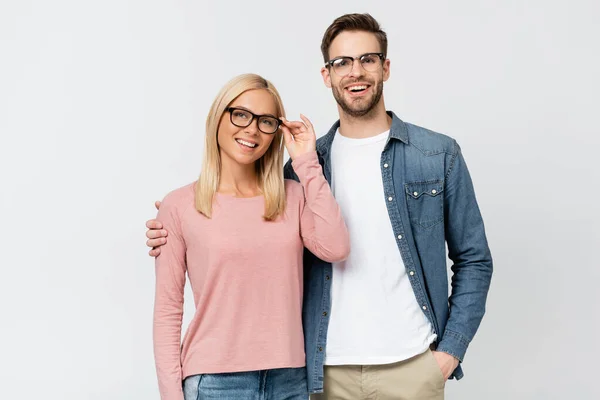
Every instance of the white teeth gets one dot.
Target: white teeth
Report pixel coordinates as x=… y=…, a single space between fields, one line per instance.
x=362 y=87
x=247 y=144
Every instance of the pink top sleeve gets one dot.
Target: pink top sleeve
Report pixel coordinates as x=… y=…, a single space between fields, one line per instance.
x=170 y=269
x=322 y=227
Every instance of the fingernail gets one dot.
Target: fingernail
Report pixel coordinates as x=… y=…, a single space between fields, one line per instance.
x=163 y=240
x=163 y=232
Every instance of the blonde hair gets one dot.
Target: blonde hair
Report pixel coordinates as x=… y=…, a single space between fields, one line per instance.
x=269 y=167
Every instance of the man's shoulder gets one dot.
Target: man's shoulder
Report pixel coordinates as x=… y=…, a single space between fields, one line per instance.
x=321 y=141
x=288 y=171
x=430 y=142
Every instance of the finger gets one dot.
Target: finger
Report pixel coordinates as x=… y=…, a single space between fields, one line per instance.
x=300 y=129
x=156 y=233
x=156 y=242
x=297 y=129
x=285 y=121
x=292 y=124
x=154 y=252
x=307 y=122
x=287 y=135
x=153 y=224
x=157 y=204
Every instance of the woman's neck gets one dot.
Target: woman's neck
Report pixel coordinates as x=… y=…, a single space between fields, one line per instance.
x=238 y=180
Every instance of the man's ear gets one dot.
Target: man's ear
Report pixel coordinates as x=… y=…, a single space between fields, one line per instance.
x=386 y=69
x=326 y=77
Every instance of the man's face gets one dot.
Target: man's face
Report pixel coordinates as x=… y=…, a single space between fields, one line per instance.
x=359 y=91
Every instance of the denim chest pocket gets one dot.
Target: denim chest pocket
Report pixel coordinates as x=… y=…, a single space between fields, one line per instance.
x=425 y=202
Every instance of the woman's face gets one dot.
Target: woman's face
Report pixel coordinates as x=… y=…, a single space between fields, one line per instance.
x=245 y=145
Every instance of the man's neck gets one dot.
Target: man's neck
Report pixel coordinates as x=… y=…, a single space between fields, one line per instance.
x=372 y=124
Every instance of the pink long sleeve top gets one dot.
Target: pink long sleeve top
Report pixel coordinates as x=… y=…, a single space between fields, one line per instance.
x=246 y=277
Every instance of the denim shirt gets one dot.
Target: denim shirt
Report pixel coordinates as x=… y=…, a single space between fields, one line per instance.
x=431 y=202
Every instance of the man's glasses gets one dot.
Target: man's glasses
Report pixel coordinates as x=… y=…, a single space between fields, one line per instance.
x=243 y=118
x=342 y=66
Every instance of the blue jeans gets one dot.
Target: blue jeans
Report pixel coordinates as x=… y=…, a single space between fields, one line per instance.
x=271 y=384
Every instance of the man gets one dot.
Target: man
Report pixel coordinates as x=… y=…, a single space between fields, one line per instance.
x=381 y=324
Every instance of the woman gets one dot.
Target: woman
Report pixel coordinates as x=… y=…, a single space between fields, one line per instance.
x=239 y=233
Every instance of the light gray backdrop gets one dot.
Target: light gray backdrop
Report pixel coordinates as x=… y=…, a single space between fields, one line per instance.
x=102 y=110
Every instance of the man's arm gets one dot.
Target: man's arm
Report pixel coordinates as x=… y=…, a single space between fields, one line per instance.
x=288 y=171
x=472 y=261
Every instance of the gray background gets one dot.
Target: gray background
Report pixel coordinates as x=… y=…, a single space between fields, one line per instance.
x=102 y=110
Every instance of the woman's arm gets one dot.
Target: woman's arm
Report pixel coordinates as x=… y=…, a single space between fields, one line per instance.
x=321 y=224
x=168 y=307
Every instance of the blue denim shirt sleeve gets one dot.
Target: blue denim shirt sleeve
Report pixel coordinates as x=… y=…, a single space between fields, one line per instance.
x=288 y=171
x=472 y=261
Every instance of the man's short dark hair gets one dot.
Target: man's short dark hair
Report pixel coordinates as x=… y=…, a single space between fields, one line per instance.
x=353 y=22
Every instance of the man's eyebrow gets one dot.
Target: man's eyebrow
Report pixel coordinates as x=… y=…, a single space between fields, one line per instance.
x=360 y=55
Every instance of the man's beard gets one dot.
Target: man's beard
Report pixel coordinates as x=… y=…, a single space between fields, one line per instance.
x=364 y=110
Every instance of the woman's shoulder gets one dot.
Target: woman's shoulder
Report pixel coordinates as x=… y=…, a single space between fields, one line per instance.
x=180 y=197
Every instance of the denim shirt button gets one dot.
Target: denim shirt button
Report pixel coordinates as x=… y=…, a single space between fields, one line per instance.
x=324 y=313
x=385 y=165
x=425 y=308
x=390 y=198
x=399 y=236
x=412 y=273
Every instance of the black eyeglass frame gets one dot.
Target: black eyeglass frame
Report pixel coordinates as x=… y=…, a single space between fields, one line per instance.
x=329 y=64
x=254 y=116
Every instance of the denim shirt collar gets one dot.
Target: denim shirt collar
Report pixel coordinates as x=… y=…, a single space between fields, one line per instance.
x=398 y=131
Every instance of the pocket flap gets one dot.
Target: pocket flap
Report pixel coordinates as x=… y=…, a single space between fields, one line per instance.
x=430 y=188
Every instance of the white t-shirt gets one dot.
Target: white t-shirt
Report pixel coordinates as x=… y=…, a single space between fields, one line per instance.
x=375 y=317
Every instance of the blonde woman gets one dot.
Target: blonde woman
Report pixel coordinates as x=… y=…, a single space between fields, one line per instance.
x=239 y=233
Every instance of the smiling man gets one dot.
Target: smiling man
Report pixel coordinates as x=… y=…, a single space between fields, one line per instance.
x=382 y=325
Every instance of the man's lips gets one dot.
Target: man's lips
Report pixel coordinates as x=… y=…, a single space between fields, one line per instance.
x=357 y=89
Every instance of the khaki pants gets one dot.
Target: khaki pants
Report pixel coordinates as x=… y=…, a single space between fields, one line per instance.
x=418 y=378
